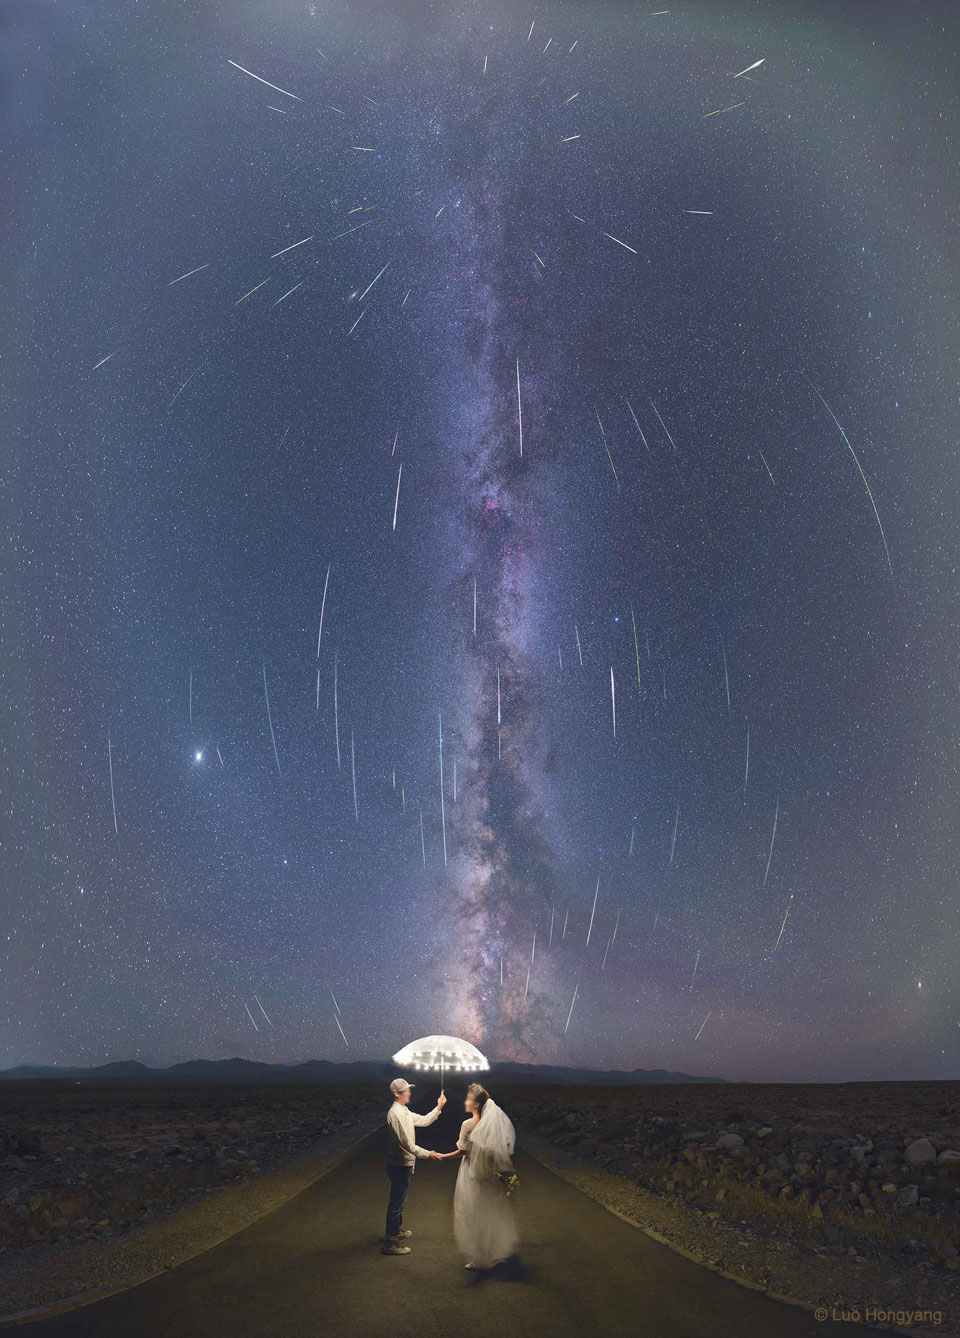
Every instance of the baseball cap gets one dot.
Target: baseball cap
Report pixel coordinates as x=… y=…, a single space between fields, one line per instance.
x=401 y=1085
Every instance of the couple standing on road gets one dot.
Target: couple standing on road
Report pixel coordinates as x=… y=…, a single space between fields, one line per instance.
x=483 y=1220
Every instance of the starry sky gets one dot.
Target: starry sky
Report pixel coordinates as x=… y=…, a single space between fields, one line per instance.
x=508 y=586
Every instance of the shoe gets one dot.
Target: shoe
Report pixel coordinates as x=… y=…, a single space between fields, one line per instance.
x=402 y=1235
x=394 y=1247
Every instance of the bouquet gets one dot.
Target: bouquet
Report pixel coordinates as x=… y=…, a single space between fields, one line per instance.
x=509 y=1180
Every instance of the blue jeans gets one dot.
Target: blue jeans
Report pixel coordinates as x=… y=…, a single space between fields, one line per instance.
x=400 y=1177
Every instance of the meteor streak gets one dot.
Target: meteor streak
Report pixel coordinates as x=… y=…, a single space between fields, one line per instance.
x=784 y=925
x=519 y=409
x=620 y=243
x=288 y=292
x=113 y=799
x=293 y=247
x=773 y=837
x=572 y=1002
x=754 y=66
x=273 y=737
x=860 y=469
x=593 y=912
x=275 y=87
x=323 y=605
x=396 y=500
x=251 y=292
x=188 y=273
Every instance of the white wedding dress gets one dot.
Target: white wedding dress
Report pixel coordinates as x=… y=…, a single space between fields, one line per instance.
x=483 y=1219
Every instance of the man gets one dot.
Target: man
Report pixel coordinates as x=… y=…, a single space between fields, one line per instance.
x=402 y=1152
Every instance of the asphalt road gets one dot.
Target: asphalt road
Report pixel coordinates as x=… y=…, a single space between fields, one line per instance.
x=313 y=1269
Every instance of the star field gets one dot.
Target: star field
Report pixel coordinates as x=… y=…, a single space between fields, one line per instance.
x=604 y=405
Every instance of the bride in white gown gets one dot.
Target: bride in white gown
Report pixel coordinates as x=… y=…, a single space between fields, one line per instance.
x=483 y=1218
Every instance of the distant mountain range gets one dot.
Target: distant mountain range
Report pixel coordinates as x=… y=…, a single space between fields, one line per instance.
x=325 y=1071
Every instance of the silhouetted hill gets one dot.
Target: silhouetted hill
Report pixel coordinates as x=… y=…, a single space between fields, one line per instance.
x=326 y=1071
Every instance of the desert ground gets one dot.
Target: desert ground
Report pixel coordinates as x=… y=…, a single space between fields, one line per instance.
x=850 y=1192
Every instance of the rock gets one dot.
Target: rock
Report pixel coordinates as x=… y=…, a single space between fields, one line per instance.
x=920 y=1150
x=909 y=1195
x=890 y=1187
x=730 y=1141
x=950 y=1158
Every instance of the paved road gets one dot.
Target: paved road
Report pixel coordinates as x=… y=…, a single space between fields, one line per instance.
x=313 y=1269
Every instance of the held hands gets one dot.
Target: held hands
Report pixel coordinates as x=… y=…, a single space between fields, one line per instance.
x=436 y=1156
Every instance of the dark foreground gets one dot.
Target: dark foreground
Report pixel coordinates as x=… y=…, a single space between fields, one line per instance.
x=314 y=1268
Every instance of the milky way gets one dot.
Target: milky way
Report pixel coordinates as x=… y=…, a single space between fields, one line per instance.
x=593 y=404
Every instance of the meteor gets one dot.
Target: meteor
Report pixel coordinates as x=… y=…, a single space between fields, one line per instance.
x=113 y=799
x=638 y=427
x=746 y=769
x=273 y=737
x=323 y=605
x=275 y=87
x=183 y=388
x=636 y=649
x=336 y=716
x=340 y=1029
x=250 y=294
x=288 y=292
x=773 y=837
x=353 y=771
x=293 y=246
x=250 y=1016
x=724 y=109
x=593 y=912
x=859 y=467
x=572 y=1002
x=396 y=500
x=519 y=408
x=188 y=273
x=673 y=843
x=663 y=425
x=613 y=701
x=754 y=66
x=784 y=925
x=262 y=1009
x=103 y=360
x=702 y=1025
x=620 y=243
x=371 y=283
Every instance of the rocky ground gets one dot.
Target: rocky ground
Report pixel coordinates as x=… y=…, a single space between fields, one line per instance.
x=845 y=1194
x=81 y=1163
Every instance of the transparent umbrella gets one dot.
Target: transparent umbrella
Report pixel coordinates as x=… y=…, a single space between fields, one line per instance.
x=439 y=1053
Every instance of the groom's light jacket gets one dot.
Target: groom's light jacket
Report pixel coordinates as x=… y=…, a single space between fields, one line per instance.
x=402 y=1148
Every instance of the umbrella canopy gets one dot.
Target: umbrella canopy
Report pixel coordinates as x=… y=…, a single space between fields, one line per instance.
x=442 y=1053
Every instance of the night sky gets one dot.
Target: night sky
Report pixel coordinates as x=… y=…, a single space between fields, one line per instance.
x=709 y=554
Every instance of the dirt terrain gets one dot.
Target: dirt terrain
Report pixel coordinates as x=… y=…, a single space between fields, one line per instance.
x=826 y=1193
x=78 y=1162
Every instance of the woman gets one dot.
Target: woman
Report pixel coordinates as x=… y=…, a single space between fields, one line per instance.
x=483 y=1220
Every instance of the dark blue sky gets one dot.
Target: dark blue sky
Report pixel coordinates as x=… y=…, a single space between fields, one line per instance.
x=700 y=392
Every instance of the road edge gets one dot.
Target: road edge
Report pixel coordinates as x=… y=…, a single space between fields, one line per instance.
x=540 y=1153
x=82 y=1299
